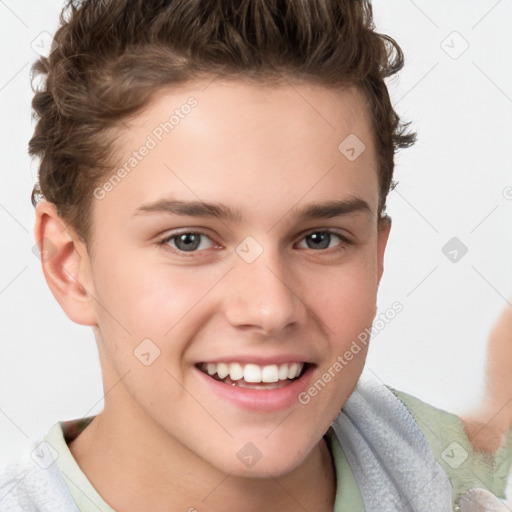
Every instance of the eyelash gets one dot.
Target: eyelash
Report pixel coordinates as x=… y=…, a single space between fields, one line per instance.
x=164 y=242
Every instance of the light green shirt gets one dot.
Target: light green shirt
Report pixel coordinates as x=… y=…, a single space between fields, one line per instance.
x=465 y=467
x=85 y=495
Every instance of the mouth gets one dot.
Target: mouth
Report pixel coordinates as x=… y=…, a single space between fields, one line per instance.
x=254 y=376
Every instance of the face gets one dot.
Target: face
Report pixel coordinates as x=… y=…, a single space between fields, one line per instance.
x=241 y=246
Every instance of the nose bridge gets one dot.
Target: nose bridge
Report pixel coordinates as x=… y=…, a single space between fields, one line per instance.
x=262 y=292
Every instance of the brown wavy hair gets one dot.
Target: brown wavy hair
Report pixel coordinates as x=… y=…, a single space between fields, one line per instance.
x=109 y=57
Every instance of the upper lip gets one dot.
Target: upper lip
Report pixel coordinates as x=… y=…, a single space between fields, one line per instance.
x=259 y=360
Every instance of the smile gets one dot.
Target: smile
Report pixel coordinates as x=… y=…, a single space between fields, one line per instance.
x=253 y=376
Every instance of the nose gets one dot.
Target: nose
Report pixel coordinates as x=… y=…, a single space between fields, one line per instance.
x=263 y=295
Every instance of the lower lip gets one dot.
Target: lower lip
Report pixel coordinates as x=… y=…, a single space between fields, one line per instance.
x=264 y=400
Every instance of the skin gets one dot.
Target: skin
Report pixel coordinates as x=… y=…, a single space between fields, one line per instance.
x=164 y=441
x=487 y=425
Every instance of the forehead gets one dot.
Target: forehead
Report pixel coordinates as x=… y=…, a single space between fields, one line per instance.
x=238 y=108
x=247 y=144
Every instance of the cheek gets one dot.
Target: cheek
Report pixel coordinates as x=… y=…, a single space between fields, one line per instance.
x=150 y=299
x=344 y=297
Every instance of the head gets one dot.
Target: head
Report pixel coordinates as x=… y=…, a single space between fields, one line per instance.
x=212 y=189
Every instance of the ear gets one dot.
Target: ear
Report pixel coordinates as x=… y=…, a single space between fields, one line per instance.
x=65 y=263
x=383 y=235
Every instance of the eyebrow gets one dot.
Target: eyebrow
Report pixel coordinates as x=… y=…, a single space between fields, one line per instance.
x=325 y=210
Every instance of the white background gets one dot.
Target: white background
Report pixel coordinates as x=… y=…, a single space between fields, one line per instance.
x=450 y=184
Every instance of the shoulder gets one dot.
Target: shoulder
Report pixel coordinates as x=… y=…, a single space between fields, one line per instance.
x=392 y=462
x=466 y=467
x=29 y=485
x=11 y=495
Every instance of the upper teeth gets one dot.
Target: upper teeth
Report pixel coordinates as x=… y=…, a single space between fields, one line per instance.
x=253 y=372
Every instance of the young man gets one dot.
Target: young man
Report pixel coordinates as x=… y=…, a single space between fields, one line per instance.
x=214 y=180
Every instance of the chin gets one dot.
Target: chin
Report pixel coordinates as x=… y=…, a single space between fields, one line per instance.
x=249 y=461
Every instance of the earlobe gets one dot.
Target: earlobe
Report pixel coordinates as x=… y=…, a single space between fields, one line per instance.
x=65 y=264
x=383 y=236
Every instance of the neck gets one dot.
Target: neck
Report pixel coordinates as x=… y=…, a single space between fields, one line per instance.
x=133 y=468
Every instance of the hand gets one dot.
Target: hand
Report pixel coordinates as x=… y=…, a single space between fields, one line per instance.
x=480 y=500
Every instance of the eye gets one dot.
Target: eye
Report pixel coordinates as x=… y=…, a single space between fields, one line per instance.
x=189 y=241
x=322 y=240
x=195 y=241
